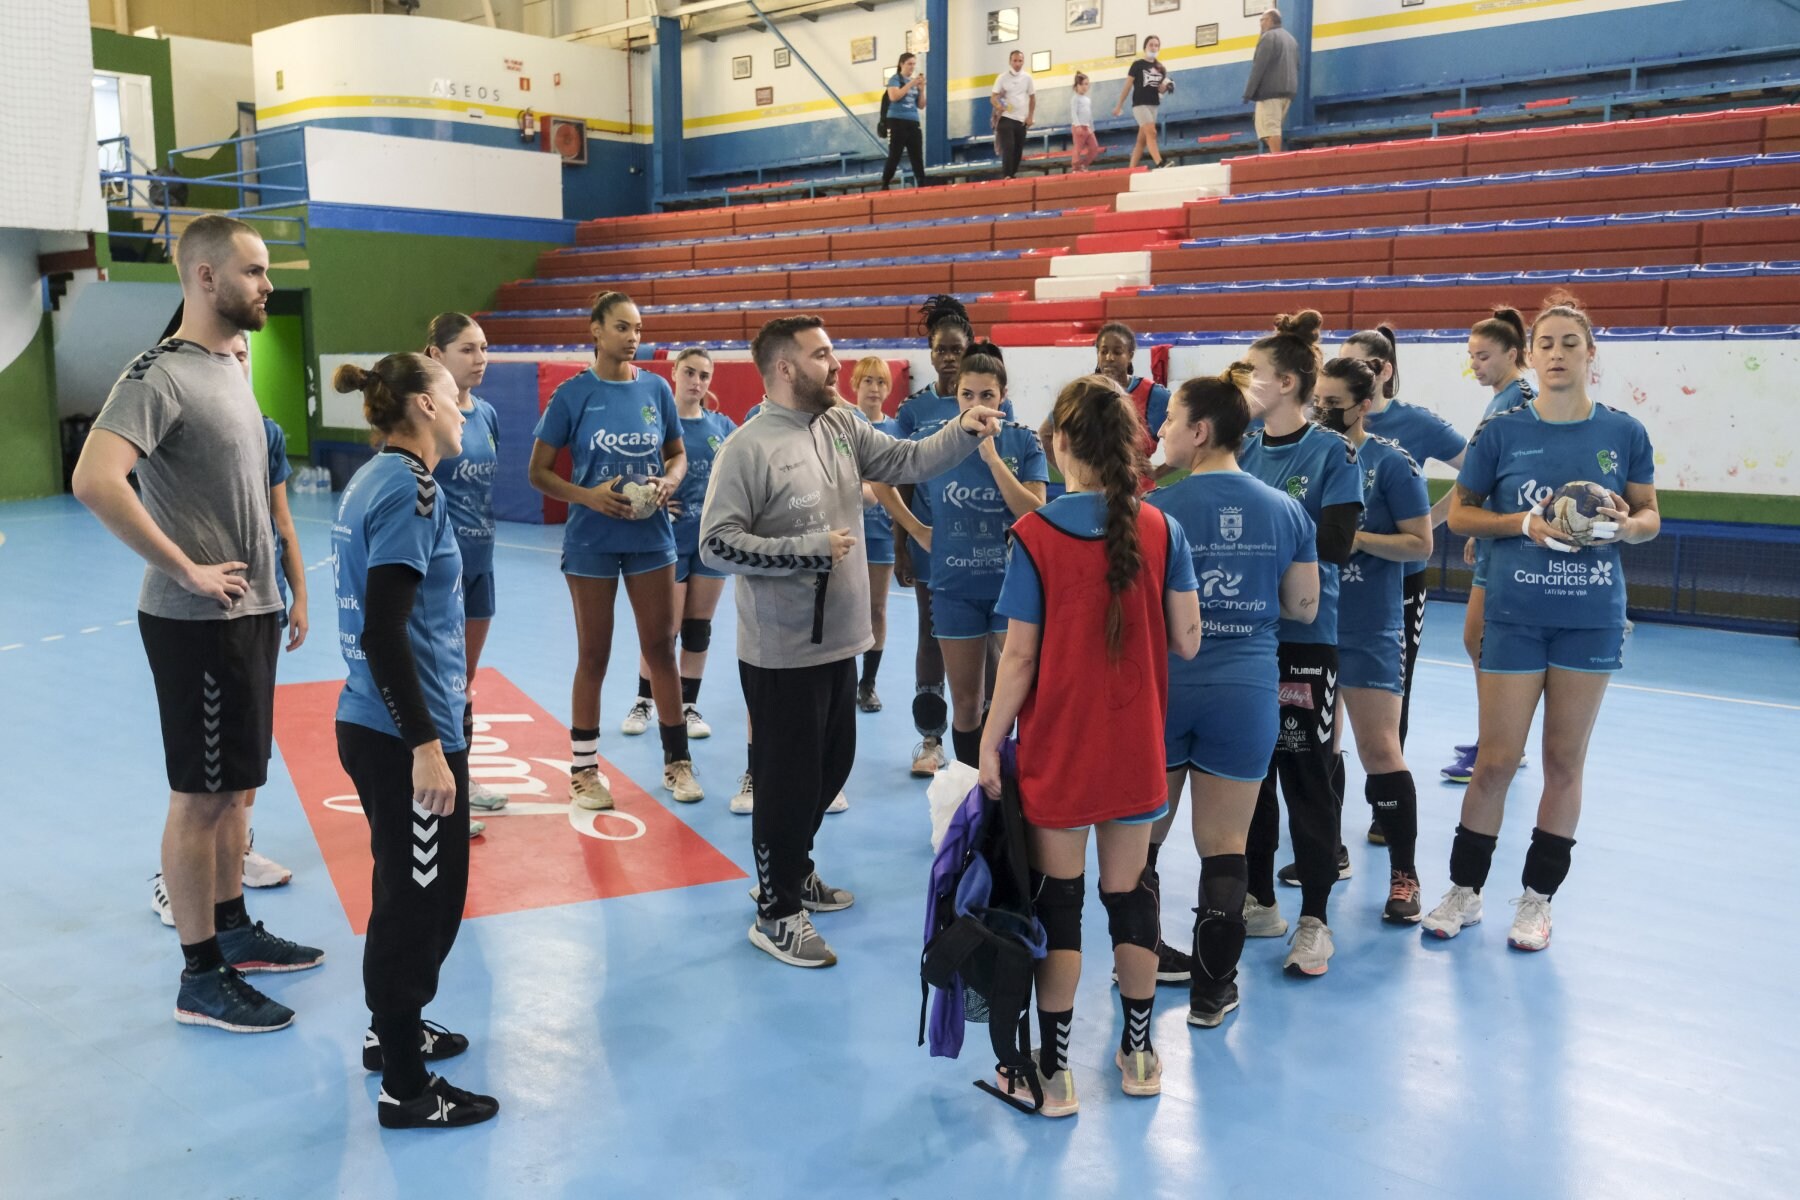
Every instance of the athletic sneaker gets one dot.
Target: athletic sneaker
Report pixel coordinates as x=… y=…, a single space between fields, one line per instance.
x=485 y=799
x=159 y=901
x=866 y=699
x=696 y=724
x=840 y=804
x=439 y=1106
x=1312 y=948
x=744 y=802
x=1140 y=1072
x=928 y=758
x=793 y=940
x=436 y=1041
x=1376 y=837
x=1463 y=769
x=1403 y=898
x=1531 y=924
x=590 y=789
x=260 y=871
x=638 y=719
x=1290 y=874
x=1460 y=906
x=1059 y=1090
x=1172 y=965
x=1263 y=922
x=254 y=950
x=678 y=777
x=223 y=999
x=476 y=829
x=1209 y=1001
x=816 y=895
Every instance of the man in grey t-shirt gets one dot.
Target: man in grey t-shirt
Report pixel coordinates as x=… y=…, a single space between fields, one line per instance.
x=183 y=417
x=1274 y=78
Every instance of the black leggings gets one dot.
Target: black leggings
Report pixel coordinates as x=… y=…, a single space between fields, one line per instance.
x=805 y=722
x=1413 y=623
x=904 y=137
x=421 y=871
x=1303 y=763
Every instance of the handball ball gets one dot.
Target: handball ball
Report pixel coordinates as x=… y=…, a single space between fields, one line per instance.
x=1573 y=510
x=641 y=493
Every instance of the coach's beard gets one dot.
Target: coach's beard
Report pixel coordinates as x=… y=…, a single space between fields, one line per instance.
x=814 y=396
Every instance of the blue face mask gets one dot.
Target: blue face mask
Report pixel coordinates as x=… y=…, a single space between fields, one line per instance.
x=1151 y=54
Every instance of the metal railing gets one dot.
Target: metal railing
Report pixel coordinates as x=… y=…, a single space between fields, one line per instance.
x=137 y=189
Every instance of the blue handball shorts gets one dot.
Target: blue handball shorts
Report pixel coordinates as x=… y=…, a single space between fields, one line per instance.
x=478 y=596
x=958 y=617
x=688 y=563
x=1510 y=648
x=1223 y=729
x=1372 y=660
x=610 y=564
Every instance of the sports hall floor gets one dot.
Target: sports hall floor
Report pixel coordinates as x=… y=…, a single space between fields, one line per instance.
x=641 y=1047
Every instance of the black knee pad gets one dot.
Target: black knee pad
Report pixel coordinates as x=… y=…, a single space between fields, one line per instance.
x=696 y=635
x=1218 y=943
x=931 y=716
x=1057 y=903
x=1131 y=917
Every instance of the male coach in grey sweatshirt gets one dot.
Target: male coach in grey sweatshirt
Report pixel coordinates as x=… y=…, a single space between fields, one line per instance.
x=785 y=494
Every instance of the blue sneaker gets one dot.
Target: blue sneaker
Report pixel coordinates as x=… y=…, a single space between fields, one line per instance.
x=1463 y=769
x=221 y=998
x=252 y=949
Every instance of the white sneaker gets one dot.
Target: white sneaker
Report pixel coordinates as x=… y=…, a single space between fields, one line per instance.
x=928 y=758
x=159 y=901
x=1460 y=906
x=1263 y=922
x=745 y=801
x=476 y=829
x=1312 y=948
x=485 y=799
x=841 y=804
x=793 y=940
x=1531 y=924
x=638 y=719
x=696 y=724
x=261 y=871
x=1140 y=1072
x=590 y=789
x=678 y=777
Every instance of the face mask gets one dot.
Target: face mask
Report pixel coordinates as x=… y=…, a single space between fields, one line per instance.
x=1334 y=419
x=1151 y=54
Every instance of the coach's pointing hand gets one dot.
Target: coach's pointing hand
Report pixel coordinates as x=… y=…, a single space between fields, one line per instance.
x=984 y=422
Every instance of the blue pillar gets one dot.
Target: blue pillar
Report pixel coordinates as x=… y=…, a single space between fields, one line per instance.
x=1297 y=19
x=937 y=84
x=668 y=171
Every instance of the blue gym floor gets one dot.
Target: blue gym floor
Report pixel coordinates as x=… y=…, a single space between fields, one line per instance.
x=640 y=1046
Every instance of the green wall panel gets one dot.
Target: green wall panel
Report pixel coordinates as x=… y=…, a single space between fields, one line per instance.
x=143 y=56
x=30 y=442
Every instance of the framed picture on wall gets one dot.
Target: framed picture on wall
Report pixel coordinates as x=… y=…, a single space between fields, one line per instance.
x=1003 y=26
x=783 y=57
x=1164 y=6
x=1206 y=35
x=1082 y=14
x=1040 y=61
x=862 y=50
x=740 y=67
x=765 y=96
x=1256 y=8
x=1125 y=45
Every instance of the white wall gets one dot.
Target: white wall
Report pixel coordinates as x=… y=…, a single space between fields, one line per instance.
x=21 y=293
x=210 y=78
x=49 y=166
x=100 y=327
x=345 y=166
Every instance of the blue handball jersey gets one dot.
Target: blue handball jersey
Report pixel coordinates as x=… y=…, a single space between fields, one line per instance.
x=1518 y=460
x=702 y=436
x=878 y=523
x=279 y=472
x=1372 y=589
x=1422 y=434
x=1319 y=470
x=1243 y=535
x=468 y=486
x=612 y=430
x=920 y=415
x=394 y=512
x=969 y=518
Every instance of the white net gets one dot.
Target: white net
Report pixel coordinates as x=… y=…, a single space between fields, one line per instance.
x=50 y=177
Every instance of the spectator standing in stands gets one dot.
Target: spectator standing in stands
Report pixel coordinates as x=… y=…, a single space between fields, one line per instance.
x=1015 y=107
x=906 y=96
x=1145 y=85
x=1274 y=78
x=1084 y=147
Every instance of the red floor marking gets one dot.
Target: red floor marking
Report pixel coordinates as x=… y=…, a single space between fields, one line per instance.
x=538 y=852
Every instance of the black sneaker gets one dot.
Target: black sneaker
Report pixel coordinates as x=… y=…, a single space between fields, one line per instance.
x=223 y=999
x=253 y=949
x=1403 y=899
x=438 y=1043
x=1210 y=1000
x=1376 y=837
x=1172 y=965
x=866 y=699
x=439 y=1106
x=1290 y=874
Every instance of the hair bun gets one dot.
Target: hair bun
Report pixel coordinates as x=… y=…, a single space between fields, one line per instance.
x=985 y=348
x=1304 y=324
x=349 y=378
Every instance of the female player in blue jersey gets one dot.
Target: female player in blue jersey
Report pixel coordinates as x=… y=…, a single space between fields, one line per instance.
x=467 y=482
x=962 y=521
x=1497 y=360
x=621 y=429
x=1114 y=348
x=1256 y=563
x=697 y=586
x=401 y=731
x=1318 y=468
x=1372 y=669
x=871 y=382
x=1555 y=627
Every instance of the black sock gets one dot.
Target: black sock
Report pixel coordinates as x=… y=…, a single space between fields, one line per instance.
x=690 y=690
x=1396 y=804
x=230 y=914
x=1150 y=862
x=871 y=665
x=202 y=956
x=1053 y=1034
x=1137 y=1023
x=468 y=720
x=643 y=688
x=674 y=741
x=402 y=1055
x=1259 y=875
x=1547 y=862
x=749 y=759
x=1471 y=854
x=968 y=746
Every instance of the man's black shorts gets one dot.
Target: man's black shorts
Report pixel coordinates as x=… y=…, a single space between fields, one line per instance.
x=215 y=687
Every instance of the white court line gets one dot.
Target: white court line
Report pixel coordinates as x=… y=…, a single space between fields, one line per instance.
x=55 y=637
x=1655 y=691
x=127 y=621
x=14 y=646
x=92 y=629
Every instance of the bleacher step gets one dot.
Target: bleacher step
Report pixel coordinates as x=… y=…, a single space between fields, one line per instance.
x=1117 y=263
x=1087 y=287
x=1196 y=175
x=1171 y=197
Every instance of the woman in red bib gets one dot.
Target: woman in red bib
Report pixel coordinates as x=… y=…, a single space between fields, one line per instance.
x=1099 y=591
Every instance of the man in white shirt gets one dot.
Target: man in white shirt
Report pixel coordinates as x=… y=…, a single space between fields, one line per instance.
x=1015 y=106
